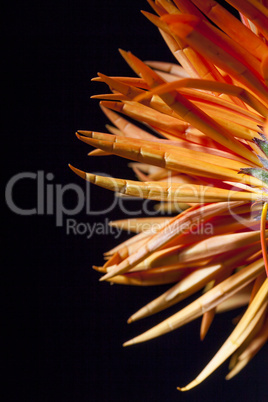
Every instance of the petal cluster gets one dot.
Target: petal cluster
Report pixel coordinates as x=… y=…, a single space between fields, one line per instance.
x=203 y=150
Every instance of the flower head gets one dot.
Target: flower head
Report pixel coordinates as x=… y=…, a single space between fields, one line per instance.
x=204 y=149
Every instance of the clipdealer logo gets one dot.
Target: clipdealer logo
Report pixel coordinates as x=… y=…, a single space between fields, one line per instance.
x=50 y=198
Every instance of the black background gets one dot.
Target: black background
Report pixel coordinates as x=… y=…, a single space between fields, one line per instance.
x=65 y=329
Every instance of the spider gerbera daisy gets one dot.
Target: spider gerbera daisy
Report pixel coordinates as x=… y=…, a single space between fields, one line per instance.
x=204 y=145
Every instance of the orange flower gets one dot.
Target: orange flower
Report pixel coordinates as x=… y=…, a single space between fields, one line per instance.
x=204 y=149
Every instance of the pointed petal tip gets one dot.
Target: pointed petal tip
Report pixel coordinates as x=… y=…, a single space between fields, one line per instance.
x=128 y=343
x=182 y=389
x=96 y=152
x=85 y=133
x=77 y=171
x=102 y=76
x=135 y=317
x=109 y=275
x=187 y=387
